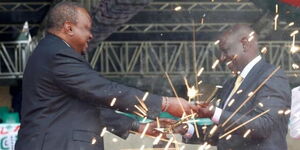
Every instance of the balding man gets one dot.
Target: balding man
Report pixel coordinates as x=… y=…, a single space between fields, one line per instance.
x=62 y=93
x=239 y=50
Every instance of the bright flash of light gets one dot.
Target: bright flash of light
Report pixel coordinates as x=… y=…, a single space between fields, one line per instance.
x=200 y=82
x=288 y=111
x=157 y=139
x=295 y=66
x=115 y=140
x=103 y=132
x=200 y=72
x=215 y=64
x=276 y=8
x=246 y=133
x=275 y=21
x=94 y=140
x=178 y=8
x=250 y=38
x=291 y=24
x=280 y=112
x=145 y=96
x=217 y=42
x=264 y=50
x=228 y=137
x=213 y=130
x=145 y=130
x=250 y=94
x=231 y=102
x=113 y=101
x=239 y=91
x=294 y=49
x=261 y=104
x=142 y=147
x=294 y=33
x=192 y=92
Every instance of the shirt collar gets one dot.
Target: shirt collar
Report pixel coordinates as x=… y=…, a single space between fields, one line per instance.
x=249 y=66
x=66 y=43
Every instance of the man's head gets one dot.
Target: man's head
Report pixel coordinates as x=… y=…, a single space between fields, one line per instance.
x=238 y=46
x=72 y=23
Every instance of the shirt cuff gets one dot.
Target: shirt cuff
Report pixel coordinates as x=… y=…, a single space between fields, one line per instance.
x=217 y=115
x=189 y=133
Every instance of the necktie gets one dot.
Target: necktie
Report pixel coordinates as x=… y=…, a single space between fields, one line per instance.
x=237 y=84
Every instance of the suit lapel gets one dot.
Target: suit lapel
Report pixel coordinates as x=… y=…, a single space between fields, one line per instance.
x=249 y=84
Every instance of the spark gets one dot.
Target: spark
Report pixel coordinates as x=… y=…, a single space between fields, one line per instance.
x=250 y=38
x=218 y=101
x=157 y=123
x=94 y=140
x=264 y=50
x=200 y=71
x=178 y=8
x=169 y=143
x=115 y=140
x=145 y=96
x=113 y=101
x=103 y=132
x=294 y=33
x=288 y=111
x=142 y=103
x=275 y=19
x=291 y=24
x=142 y=147
x=192 y=92
x=261 y=104
x=213 y=130
x=157 y=139
x=276 y=8
x=294 y=49
x=219 y=86
x=204 y=127
x=228 y=137
x=141 y=110
x=176 y=95
x=246 y=133
x=145 y=130
x=182 y=147
x=252 y=33
x=241 y=125
x=231 y=102
x=251 y=94
x=228 y=63
x=280 y=112
x=239 y=91
x=249 y=97
x=139 y=114
x=217 y=42
x=295 y=66
x=215 y=64
x=200 y=82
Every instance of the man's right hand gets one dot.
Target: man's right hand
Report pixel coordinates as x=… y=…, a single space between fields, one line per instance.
x=176 y=106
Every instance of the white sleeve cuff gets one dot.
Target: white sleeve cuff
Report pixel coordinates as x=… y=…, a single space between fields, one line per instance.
x=217 y=115
x=189 y=133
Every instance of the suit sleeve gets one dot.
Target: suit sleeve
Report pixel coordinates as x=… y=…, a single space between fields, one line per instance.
x=275 y=96
x=117 y=124
x=75 y=77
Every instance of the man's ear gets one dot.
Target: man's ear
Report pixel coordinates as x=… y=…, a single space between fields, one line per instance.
x=245 y=43
x=68 y=28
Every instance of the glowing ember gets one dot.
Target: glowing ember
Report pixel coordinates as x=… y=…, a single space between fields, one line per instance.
x=113 y=102
x=215 y=64
x=246 y=133
x=103 y=132
x=178 y=8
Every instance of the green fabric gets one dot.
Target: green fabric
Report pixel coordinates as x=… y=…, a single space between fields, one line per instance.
x=199 y=121
x=11 y=118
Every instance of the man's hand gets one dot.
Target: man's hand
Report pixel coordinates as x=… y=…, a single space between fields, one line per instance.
x=176 y=106
x=205 y=110
x=163 y=123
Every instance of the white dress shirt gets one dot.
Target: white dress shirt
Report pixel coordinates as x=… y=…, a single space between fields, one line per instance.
x=295 y=114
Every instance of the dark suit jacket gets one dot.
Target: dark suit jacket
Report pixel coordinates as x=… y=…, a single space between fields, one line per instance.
x=61 y=97
x=268 y=132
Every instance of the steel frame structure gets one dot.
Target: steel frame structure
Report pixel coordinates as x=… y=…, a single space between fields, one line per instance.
x=22 y=6
x=149 y=58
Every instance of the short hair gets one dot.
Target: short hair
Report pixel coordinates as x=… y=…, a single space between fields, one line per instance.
x=62 y=12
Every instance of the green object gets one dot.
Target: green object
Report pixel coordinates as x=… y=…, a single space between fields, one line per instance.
x=199 y=121
x=3 y=110
x=11 y=118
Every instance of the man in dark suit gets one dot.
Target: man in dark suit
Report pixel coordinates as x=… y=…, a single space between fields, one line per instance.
x=62 y=94
x=239 y=49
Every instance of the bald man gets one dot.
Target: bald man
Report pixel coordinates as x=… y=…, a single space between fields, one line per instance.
x=239 y=50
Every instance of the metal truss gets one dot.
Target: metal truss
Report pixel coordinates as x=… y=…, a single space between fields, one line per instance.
x=186 y=27
x=22 y=6
x=176 y=58
x=15 y=28
x=150 y=59
x=13 y=58
x=203 y=6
